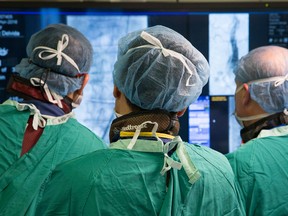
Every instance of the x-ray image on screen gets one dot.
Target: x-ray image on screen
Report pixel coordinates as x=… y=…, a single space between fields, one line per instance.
x=228 y=41
x=96 y=110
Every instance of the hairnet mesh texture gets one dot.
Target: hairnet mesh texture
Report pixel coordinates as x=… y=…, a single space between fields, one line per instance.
x=151 y=80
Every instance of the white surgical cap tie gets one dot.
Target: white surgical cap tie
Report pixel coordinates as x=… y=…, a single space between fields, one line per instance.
x=156 y=43
x=279 y=80
x=38 y=82
x=62 y=44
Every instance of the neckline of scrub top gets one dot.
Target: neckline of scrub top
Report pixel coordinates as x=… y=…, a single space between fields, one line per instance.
x=277 y=131
x=141 y=145
x=38 y=117
x=46 y=108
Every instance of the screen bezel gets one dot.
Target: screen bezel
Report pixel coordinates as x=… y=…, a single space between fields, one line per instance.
x=150 y=9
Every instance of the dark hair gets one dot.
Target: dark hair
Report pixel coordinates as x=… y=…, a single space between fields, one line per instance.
x=133 y=106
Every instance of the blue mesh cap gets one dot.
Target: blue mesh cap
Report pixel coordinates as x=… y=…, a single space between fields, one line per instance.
x=63 y=50
x=157 y=68
x=265 y=69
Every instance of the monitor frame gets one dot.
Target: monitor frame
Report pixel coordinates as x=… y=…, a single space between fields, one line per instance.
x=118 y=8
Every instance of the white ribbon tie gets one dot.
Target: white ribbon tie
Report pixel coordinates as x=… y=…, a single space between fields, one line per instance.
x=52 y=96
x=156 y=43
x=62 y=44
x=281 y=80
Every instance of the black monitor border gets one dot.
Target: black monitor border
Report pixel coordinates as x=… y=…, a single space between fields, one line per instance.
x=148 y=6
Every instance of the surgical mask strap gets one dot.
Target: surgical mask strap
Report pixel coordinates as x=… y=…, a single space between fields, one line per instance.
x=156 y=43
x=77 y=102
x=117 y=114
x=239 y=89
x=138 y=130
x=249 y=118
x=62 y=44
x=57 y=98
x=254 y=130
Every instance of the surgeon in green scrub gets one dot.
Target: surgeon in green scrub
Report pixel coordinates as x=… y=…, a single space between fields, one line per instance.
x=39 y=130
x=261 y=163
x=148 y=169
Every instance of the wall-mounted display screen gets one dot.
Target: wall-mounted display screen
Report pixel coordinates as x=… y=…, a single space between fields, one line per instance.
x=223 y=35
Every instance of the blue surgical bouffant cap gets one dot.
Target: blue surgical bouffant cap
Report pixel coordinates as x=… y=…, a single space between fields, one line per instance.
x=57 y=54
x=265 y=70
x=157 y=68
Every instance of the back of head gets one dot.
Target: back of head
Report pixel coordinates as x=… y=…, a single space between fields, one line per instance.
x=57 y=54
x=157 y=68
x=265 y=69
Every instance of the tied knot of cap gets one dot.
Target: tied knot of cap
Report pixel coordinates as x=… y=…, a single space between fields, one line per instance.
x=281 y=80
x=58 y=53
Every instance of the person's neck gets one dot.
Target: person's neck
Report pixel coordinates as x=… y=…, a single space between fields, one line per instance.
x=253 y=109
x=167 y=123
x=46 y=108
x=269 y=122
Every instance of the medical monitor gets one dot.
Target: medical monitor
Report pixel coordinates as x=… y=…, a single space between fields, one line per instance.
x=223 y=32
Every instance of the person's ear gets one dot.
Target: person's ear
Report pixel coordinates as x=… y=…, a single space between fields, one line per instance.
x=116 y=92
x=181 y=112
x=78 y=94
x=84 y=83
x=246 y=96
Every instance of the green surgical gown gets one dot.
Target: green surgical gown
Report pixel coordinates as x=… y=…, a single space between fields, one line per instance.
x=21 y=177
x=118 y=181
x=261 y=170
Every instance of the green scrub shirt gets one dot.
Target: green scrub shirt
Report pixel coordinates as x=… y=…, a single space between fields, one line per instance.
x=21 y=177
x=261 y=170
x=118 y=181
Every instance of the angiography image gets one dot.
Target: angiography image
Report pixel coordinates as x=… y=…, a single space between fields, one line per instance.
x=228 y=41
x=96 y=109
